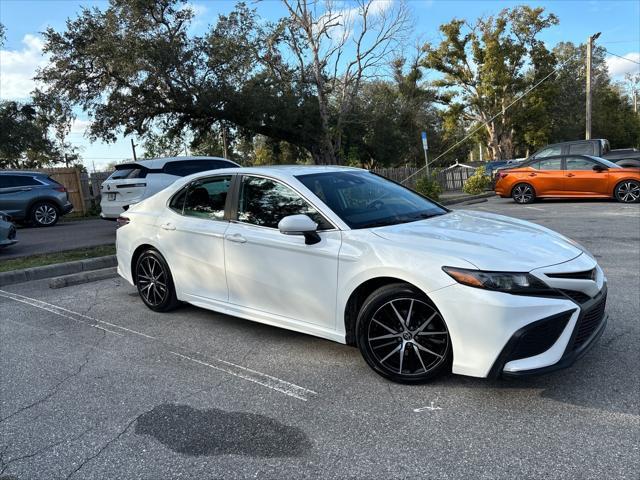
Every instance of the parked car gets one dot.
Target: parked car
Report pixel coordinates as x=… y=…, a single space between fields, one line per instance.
x=132 y=182
x=33 y=197
x=347 y=255
x=599 y=147
x=569 y=176
x=7 y=231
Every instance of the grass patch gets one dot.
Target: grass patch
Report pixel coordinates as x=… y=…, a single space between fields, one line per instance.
x=58 y=257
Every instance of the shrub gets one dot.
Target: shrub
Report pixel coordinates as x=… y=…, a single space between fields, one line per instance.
x=428 y=186
x=477 y=183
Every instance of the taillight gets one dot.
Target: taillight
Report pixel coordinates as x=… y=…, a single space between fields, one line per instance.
x=60 y=188
x=502 y=175
x=122 y=221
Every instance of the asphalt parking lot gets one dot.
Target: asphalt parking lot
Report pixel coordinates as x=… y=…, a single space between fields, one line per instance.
x=65 y=235
x=95 y=386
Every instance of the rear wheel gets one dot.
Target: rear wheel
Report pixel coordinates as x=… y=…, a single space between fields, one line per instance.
x=154 y=282
x=628 y=191
x=44 y=214
x=523 y=193
x=402 y=336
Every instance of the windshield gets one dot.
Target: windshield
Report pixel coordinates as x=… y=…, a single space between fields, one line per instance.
x=128 y=171
x=605 y=162
x=365 y=200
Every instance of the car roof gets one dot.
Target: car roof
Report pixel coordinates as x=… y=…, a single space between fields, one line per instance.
x=159 y=162
x=27 y=173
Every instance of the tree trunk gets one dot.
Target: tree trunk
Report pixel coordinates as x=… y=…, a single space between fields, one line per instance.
x=322 y=156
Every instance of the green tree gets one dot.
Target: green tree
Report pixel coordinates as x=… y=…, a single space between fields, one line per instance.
x=487 y=65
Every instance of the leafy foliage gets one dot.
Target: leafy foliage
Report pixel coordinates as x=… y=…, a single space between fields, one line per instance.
x=477 y=183
x=429 y=186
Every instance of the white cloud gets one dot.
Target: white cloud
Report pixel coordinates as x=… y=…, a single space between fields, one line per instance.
x=17 y=68
x=619 y=66
x=80 y=126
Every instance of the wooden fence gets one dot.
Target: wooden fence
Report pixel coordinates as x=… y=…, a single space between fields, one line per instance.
x=77 y=184
x=450 y=179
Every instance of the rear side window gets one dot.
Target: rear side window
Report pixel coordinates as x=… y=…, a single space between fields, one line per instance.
x=581 y=149
x=182 y=168
x=10 y=181
x=128 y=171
x=548 y=164
x=206 y=198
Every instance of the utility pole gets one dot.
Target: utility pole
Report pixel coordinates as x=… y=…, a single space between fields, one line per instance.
x=425 y=147
x=590 y=40
x=133 y=148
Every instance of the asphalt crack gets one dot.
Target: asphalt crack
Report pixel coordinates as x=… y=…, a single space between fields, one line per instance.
x=56 y=388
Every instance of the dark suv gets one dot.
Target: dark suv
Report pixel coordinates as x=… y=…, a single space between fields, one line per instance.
x=33 y=197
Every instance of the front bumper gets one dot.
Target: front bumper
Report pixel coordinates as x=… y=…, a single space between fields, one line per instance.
x=484 y=325
x=581 y=337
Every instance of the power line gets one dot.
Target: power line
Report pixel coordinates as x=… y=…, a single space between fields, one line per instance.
x=620 y=56
x=522 y=95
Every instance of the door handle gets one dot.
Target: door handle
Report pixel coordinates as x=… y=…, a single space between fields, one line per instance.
x=570 y=175
x=533 y=174
x=236 y=237
x=168 y=226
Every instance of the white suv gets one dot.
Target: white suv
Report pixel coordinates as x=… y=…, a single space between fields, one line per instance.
x=133 y=182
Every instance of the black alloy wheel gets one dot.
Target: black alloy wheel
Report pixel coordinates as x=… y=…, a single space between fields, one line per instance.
x=403 y=336
x=523 y=193
x=154 y=282
x=628 y=191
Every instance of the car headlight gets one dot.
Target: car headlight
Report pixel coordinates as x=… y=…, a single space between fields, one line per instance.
x=510 y=282
x=3 y=217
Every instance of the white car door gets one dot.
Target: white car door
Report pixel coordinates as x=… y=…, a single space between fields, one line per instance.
x=276 y=273
x=193 y=238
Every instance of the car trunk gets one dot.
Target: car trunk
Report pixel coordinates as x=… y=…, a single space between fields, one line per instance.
x=127 y=184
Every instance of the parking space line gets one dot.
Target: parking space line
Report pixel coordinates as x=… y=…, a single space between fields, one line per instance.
x=269 y=381
x=245 y=373
x=55 y=312
x=50 y=307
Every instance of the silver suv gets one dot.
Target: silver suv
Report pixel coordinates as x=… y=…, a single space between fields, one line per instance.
x=33 y=197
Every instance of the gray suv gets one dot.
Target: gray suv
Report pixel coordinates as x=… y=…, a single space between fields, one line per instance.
x=33 y=197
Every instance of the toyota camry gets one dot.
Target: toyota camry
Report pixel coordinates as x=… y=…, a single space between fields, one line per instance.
x=346 y=255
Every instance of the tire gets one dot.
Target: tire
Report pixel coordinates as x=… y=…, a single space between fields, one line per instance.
x=44 y=214
x=155 y=283
x=627 y=191
x=523 y=193
x=405 y=352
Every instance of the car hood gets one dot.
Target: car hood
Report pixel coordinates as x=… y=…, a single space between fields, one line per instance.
x=488 y=241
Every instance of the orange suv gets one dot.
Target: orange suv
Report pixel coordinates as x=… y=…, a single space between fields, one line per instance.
x=569 y=176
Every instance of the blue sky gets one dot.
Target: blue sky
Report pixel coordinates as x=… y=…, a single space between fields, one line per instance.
x=618 y=20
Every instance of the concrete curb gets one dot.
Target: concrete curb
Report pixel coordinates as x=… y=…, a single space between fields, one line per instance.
x=466 y=198
x=83 y=277
x=56 y=270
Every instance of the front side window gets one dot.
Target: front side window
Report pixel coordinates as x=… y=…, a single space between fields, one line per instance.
x=548 y=164
x=579 y=163
x=265 y=202
x=365 y=200
x=204 y=198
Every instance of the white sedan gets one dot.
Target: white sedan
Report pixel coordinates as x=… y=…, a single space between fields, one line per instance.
x=347 y=255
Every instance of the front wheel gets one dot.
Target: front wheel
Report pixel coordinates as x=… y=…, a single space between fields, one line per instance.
x=523 y=193
x=154 y=282
x=628 y=191
x=402 y=336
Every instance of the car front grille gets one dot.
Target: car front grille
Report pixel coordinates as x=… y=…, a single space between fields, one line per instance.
x=576 y=296
x=589 y=322
x=540 y=338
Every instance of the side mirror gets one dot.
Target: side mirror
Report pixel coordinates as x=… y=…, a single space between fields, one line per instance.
x=600 y=168
x=300 y=225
